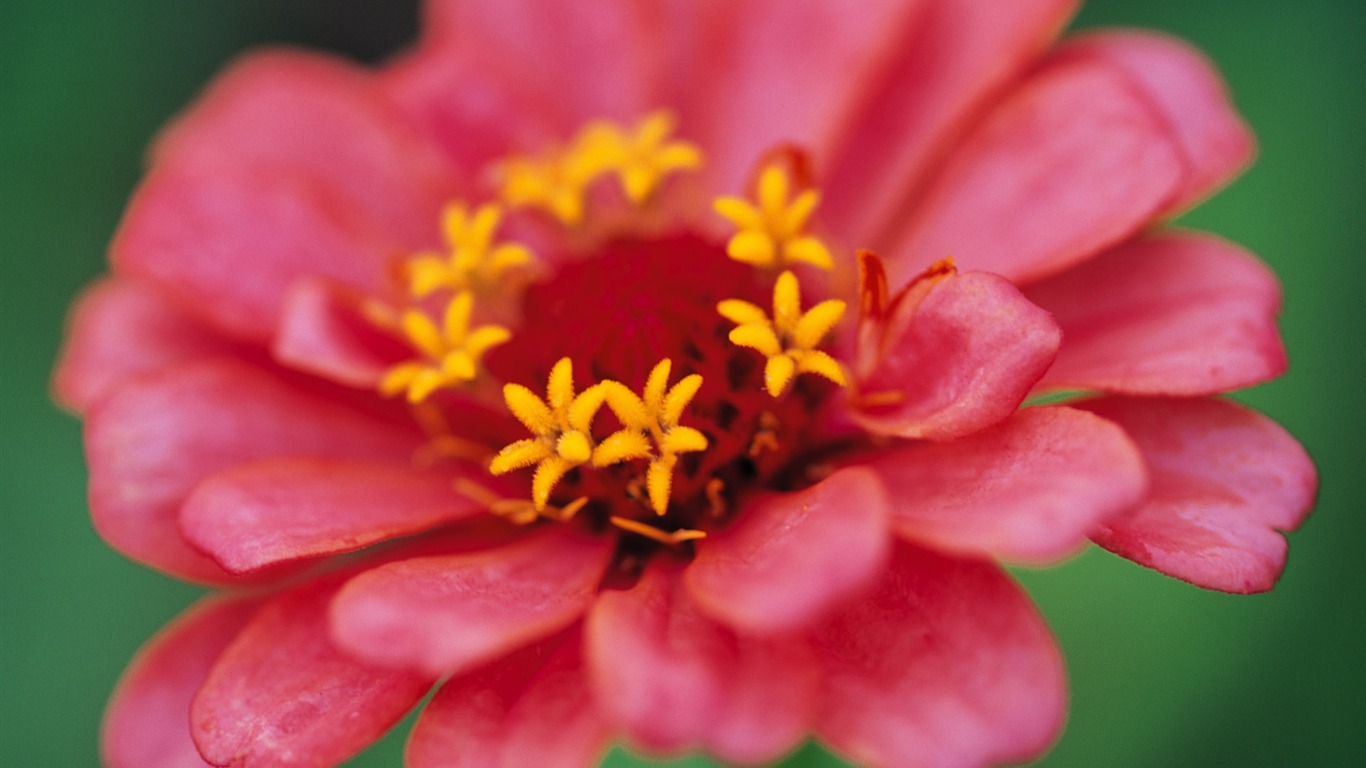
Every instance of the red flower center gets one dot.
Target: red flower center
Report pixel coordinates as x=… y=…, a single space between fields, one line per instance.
x=615 y=315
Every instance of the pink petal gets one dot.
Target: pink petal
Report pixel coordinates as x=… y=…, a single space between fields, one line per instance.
x=1073 y=161
x=532 y=708
x=277 y=510
x=955 y=354
x=500 y=76
x=1169 y=314
x=323 y=120
x=147 y=723
x=674 y=679
x=1186 y=90
x=449 y=613
x=957 y=56
x=1029 y=489
x=229 y=242
x=121 y=328
x=1225 y=479
x=291 y=165
x=283 y=695
x=771 y=71
x=790 y=558
x=151 y=442
x=947 y=664
x=590 y=61
x=323 y=331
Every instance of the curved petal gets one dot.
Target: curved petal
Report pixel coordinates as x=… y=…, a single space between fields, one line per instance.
x=323 y=331
x=147 y=722
x=791 y=558
x=1225 y=479
x=957 y=56
x=773 y=72
x=957 y=353
x=291 y=165
x=947 y=663
x=1029 y=489
x=1186 y=90
x=119 y=328
x=449 y=613
x=674 y=679
x=1169 y=314
x=152 y=441
x=278 y=510
x=283 y=695
x=1073 y=161
x=533 y=708
x=322 y=119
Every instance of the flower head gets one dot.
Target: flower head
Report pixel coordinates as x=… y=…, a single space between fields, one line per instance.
x=685 y=542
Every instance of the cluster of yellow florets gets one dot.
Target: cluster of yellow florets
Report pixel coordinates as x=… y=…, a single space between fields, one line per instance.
x=772 y=234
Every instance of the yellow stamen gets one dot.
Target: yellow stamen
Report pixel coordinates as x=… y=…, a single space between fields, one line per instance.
x=453 y=352
x=664 y=537
x=473 y=261
x=641 y=158
x=650 y=429
x=790 y=338
x=561 y=425
x=772 y=229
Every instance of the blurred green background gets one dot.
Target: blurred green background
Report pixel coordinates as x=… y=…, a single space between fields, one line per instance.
x=1163 y=674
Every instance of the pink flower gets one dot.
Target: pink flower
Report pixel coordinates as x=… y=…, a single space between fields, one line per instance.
x=737 y=486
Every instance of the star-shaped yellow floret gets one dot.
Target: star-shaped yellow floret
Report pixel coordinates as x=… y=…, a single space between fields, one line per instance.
x=650 y=429
x=772 y=230
x=643 y=158
x=790 y=338
x=453 y=352
x=561 y=427
x=473 y=260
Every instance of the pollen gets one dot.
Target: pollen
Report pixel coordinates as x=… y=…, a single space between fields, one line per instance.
x=561 y=426
x=473 y=260
x=558 y=181
x=772 y=230
x=453 y=353
x=644 y=158
x=651 y=430
x=789 y=339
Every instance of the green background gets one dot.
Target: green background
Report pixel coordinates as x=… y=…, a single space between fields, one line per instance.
x=1163 y=674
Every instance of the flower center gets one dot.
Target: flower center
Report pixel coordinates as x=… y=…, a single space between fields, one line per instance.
x=614 y=316
x=723 y=407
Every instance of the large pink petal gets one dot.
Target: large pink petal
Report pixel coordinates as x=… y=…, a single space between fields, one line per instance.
x=792 y=557
x=771 y=71
x=282 y=695
x=151 y=442
x=1029 y=489
x=1073 y=161
x=291 y=165
x=320 y=119
x=449 y=613
x=533 y=708
x=958 y=353
x=323 y=331
x=230 y=241
x=277 y=510
x=120 y=328
x=946 y=664
x=959 y=54
x=1170 y=314
x=1225 y=479
x=674 y=679
x=1186 y=90
x=147 y=723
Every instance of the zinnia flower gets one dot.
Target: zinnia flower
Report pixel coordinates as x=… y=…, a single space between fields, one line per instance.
x=671 y=372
